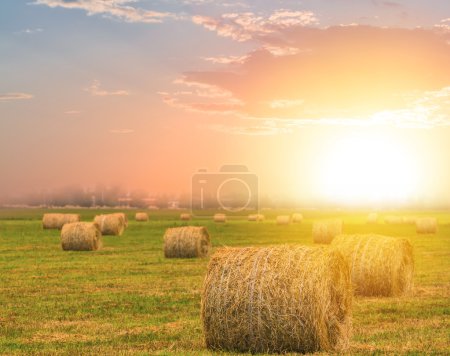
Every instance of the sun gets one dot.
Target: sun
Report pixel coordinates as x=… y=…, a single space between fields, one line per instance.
x=368 y=168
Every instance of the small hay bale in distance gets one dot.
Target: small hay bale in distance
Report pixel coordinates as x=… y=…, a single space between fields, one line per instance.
x=283 y=220
x=220 y=218
x=426 y=226
x=372 y=218
x=141 y=216
x=81 y=236
x=57 y=221
x=277 y=299
x=297 y=218
x=393 y=220
x=256 y=217
x=186 y=242
x=110 y=224
x=185 y=216
x=409 y=220
x=324 y=231
x=379 y=265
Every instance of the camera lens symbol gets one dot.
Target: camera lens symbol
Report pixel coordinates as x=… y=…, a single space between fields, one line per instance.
x=234 y=194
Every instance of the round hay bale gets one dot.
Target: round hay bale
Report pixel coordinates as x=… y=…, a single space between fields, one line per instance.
x=186 y=242
x=141 y=217
x=283 y=220
x=256 y=217
x=410 y=220
x=277 y=299
x=379 y=265
x=326 y=230
x=393 y=220
x=185 y=216
x=124 y=217
x=372 y=218
x=220 y=218
x=297 y=218
x=110 y=224
x=81 y=236
x=426 y=226
x=57 y=221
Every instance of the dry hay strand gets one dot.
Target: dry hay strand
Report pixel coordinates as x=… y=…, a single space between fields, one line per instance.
x=220 y=218
x=297 y=218
x=277 y=299
x=256 y=217
x=393 y=220
x=426 y=226
x=81 y=236
x=186 y=242
x=379 y=265
x=283 y=220
x=185 y=216
x=372 y=218
x=110 y=224
x=124 y=217
x=141 y=217
x=57 y=221
x=326 y=230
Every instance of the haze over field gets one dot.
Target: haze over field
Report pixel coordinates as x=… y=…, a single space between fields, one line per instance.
x=345 y=102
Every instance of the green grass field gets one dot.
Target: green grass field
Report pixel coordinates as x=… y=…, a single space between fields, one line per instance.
x=128 y=299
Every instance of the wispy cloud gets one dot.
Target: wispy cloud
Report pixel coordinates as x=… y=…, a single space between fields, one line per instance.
x=95 y=90
x=29 y=31
x=227 y=59
x=121 y=131
x=116 y=9
x=15 y=96
x=247 y=25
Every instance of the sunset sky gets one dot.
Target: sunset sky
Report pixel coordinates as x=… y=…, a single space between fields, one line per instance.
x=325 y=100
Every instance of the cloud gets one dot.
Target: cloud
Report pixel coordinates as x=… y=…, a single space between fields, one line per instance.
x=95 y=90
x=348 y=75
x=248 y=25
x=121 y=131
x=30 y=31
x=15 y=96
x=116 y=9
x=227 y=59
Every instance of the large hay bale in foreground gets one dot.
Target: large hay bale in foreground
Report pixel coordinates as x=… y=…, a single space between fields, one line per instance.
x=393 y=220
x=426 y=226
x=380 y=265
x=277 y=299
x=186 y=242
x=283 y=220
x=81 y=236
x=57 y=221
x=141 y=216
x=297 y=218
x=185 y=216
x=220 y=218
x=325 y=231
x=372 y=218
x=110 y=224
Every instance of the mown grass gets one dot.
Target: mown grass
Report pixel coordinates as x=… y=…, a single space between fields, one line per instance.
x=128 y=299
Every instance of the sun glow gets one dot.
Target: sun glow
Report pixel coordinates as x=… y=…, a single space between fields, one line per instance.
x=368 y=168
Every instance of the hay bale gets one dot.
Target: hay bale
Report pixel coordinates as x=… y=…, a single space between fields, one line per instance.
x=409 y=220
x=185 y=216
x=124 y=217
x=110 y=224
x=297 y=218
x=277 y=299
x=380 y=265
x=283 y=220
x=393 y=220
x=81 y=236
x=325 y=231
x=57 y=221
x=426 y=226
x=186 y=242
x=372 y=218
x=141 y=217
x=256 y=217
x=221 y=218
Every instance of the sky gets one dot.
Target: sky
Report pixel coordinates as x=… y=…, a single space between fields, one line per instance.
x=343 y=101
